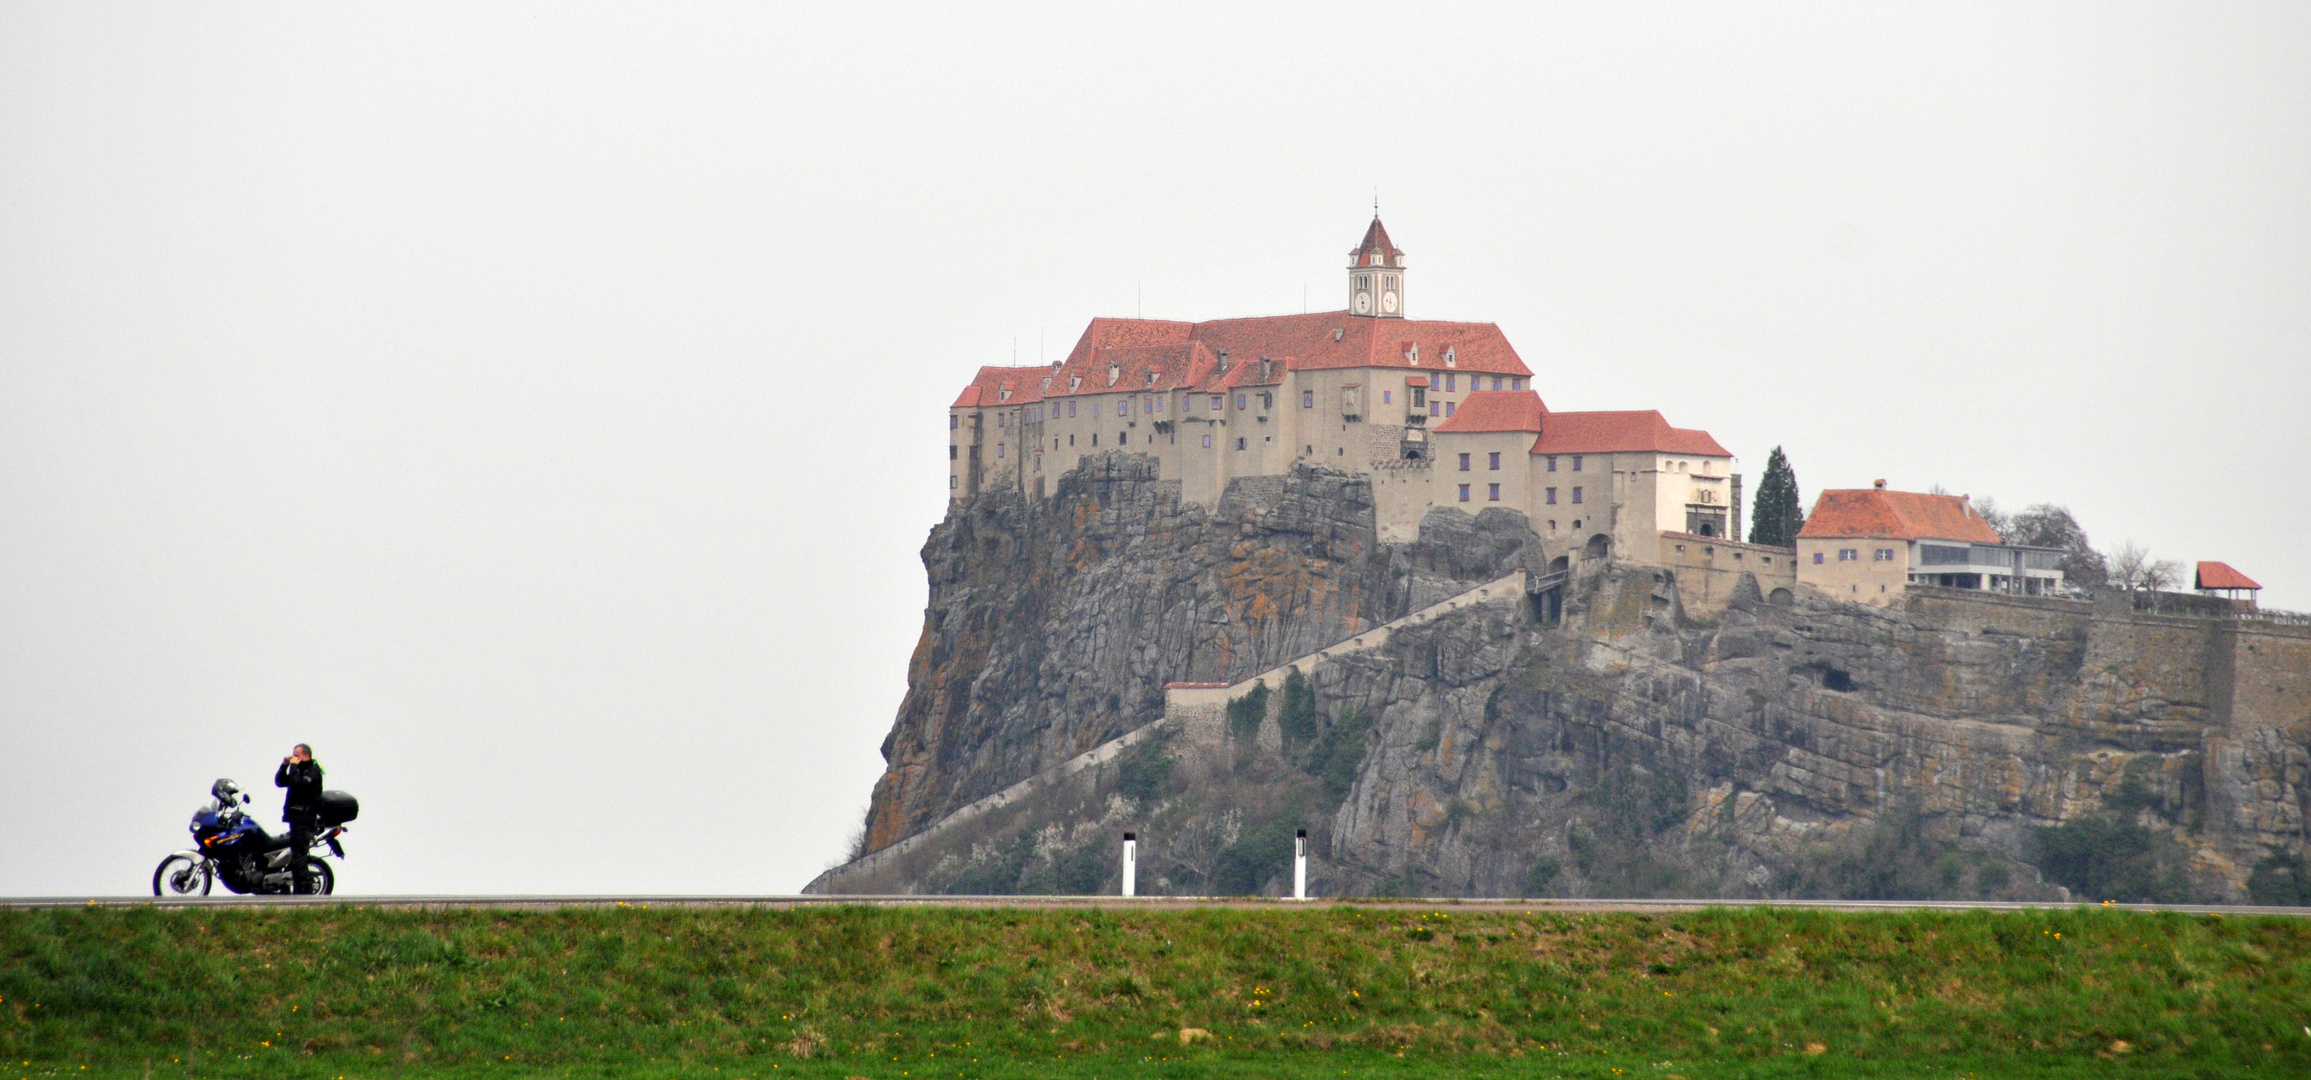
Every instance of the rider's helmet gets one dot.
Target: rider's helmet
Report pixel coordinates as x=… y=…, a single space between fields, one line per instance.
x=227 y=793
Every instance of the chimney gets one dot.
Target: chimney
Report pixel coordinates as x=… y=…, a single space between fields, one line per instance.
x=1878 y=484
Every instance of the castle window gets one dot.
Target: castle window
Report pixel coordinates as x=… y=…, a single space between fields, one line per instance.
x=1239 y=442
x=1002 y=420
x=998 y=449
x=1207 y=441
x=1494 y=461
x=1071 y=408
x=1848 y=555
x=1576 y=496
x=1095 y=410
x=1496 y=382
x=1576 y=463
x=1516 y=384
x=951 y=482
x=1552 y=462
x=1464 y=493
x=1095 y=438
x=950 y=453
x=1451 y=381
x=1817 y=558
x=1492 y=493
x=1239 y=401
x=1550 y=498
x=1448 y=407
x=1070 y=440
x=1432 y=409
x=974 y=453
x=1464 y=463
x=1388 y=397
x=1307 y=399
x=953 y=421
x=1882 y=555
x=1122 y=438
x=1217 y=399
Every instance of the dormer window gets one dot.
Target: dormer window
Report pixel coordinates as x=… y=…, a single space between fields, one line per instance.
x=1448 y=356
x=1339 y=332
x=1114 y=372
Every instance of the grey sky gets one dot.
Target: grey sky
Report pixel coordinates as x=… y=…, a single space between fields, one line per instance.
x=468 y=389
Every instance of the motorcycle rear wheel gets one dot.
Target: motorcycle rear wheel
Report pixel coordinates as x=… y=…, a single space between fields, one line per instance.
x=181 y=875
x=324 y=878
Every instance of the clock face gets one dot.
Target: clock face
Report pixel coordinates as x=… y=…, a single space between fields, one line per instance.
x=1388 y=301
x=1363 y=302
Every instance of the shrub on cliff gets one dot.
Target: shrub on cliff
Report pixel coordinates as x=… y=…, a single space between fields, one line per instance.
x=1297 y=718
x=2106 y=856
x=1246 y=713
x=1337 y=758
x=2281 y=879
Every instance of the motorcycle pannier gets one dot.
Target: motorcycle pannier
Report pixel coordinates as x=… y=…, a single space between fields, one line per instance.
x=337 y=808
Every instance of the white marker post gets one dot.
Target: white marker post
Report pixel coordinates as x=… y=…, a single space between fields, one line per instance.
x=1300 y=866
x=1130 y=865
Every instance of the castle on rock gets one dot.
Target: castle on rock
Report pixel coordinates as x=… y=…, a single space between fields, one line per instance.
x=1438 y=414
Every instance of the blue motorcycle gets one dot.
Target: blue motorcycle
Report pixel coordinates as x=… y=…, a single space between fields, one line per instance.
x=229 y=846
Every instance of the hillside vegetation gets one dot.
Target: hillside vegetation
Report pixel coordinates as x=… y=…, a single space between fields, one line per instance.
x=857 y=991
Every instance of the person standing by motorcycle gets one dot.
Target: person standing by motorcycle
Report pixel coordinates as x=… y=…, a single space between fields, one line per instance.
x=301 y=775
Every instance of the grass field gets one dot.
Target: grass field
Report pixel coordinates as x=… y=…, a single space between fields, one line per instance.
x=1330 y=992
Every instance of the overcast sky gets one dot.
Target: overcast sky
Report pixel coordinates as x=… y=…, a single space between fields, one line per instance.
x=540 y=410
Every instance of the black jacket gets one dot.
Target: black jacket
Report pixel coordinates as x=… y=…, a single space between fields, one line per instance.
x=303 y=779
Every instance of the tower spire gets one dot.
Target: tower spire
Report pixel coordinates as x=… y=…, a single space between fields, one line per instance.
x=1376 y=272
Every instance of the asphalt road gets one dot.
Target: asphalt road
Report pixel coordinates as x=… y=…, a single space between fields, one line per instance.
x=1151 y=903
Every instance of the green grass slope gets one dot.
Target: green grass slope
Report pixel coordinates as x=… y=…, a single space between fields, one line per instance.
x=1323 y=992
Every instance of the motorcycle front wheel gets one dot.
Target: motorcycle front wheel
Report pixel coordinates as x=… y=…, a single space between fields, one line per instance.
x=181 y=875
x=324 y=878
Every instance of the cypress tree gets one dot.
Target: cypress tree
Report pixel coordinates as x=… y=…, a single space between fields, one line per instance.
x=1776 y=516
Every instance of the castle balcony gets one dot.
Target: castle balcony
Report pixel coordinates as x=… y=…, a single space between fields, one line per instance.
x=1416 y=419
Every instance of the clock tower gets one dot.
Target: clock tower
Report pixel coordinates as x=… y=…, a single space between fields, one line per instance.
x=1376 y=276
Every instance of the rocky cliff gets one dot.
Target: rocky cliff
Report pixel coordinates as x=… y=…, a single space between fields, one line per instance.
x=1054 y=624
x=1607 y=744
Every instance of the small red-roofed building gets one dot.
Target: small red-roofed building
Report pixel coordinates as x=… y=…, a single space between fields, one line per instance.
x=2219 y=579
x=1867 y=544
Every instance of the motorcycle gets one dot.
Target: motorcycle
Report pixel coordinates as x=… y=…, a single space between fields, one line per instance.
x=229 y=846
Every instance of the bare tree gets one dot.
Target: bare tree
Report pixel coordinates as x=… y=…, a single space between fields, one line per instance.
x=2162 y=574
x=2127 y=566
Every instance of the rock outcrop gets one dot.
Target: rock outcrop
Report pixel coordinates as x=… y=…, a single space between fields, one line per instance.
x=1596 y=743
x=1054 y=624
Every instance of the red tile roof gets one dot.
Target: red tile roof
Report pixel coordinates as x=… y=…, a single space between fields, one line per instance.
x=1376 y=242
x=1621 y=433
x=1496 y=410
x=1024 y=383
x=1320 y=341
x=2215 y=575
x=1896 y=515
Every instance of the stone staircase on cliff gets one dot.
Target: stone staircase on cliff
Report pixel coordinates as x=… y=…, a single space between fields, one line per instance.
x=1196 y=710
